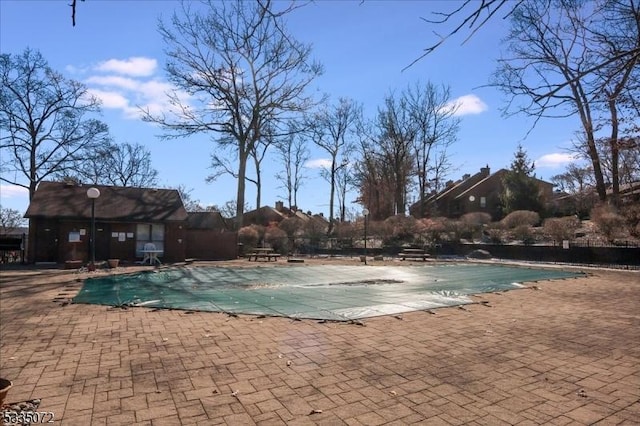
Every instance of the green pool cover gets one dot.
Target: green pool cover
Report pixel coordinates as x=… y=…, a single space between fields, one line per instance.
x=316 y=292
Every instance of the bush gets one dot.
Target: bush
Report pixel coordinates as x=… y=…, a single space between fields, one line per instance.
x=608 y=221
x=277 y=239
x=248 y=236
x=431 y=230
x=524 y=233
x=521 y=218
x=454 y=230
x=474 y=222
x=403 y=228
x=291 y=225
x=476 y=218
x=561 y=228
x=495 y=234
x=631 y=214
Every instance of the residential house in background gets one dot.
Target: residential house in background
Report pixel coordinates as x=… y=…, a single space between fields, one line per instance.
x=268 y=215
x=126 y=219
x=473 y=193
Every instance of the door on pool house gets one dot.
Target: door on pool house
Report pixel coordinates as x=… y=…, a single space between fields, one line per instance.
x=149 y=233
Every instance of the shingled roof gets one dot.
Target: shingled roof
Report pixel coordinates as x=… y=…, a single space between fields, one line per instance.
x=206 y=220
x=66 y=200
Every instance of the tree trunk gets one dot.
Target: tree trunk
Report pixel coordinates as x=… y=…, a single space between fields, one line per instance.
x=582 y=104
x=242 y=169
x=258 y=183
x=333 y=194
x=615 y=153
x=399 y=198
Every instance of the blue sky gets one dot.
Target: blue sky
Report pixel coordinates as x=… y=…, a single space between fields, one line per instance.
x=116 y=51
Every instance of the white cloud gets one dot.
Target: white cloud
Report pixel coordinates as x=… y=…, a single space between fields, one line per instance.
x=467 y=105
x=109 y=99
x=131 y=94
x=13 y=191
x=114 y=81
x=555 y=160
x=318 y=163
x=135 y=66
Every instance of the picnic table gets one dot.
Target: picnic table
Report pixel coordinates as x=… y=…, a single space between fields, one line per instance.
x=266 y=253
x=413 y=254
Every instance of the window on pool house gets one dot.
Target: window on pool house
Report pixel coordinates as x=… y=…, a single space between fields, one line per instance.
x=149 y=233
x=483 y=202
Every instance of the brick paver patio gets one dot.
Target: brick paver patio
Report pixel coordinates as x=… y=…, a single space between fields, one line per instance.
x=559 y=352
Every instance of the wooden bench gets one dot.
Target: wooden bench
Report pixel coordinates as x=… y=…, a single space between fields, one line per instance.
x=414 y=254
x=263 y=255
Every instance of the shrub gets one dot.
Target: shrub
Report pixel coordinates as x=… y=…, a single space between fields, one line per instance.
x=561 y=228
x=476 y=218
x=431 y=230
x=454 y=229
x=608 y=221
x=403 y=228
x=277 y=239
x=631 y=214
x=473 y=222
x=248 y=236
x=496 y=235
x=291 y=225
x=521 y=218
x=524 y=233
x=427 y=232
x=345 y=230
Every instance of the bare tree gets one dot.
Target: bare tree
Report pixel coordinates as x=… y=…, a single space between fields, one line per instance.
x=44 y=123
x=244 y=72
x=433 y=114
x=397 y=133
x=130 y=165
x=471 y=16
x=190 y=204
x=293 y=154
x=370 y=173
x=577 y=181
x=344 y=181
x=331 y=129
x=628 y=164
x=10 y=220
x=564 y=61
x=115 y=164
x=221 y=165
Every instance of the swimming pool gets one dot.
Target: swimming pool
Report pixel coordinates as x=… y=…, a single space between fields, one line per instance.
x=329 y=292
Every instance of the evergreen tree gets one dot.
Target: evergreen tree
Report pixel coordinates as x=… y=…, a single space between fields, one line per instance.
x=521 y=190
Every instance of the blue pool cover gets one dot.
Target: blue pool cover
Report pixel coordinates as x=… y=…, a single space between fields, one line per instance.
x=329 y=292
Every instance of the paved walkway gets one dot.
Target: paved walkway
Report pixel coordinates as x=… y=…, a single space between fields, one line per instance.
x=561 y=352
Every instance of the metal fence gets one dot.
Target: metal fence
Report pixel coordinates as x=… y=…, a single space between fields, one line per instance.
x=578 y=252
x=12 y=249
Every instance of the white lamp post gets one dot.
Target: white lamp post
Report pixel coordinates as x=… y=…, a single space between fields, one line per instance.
x=365 y=213
x=93 y=193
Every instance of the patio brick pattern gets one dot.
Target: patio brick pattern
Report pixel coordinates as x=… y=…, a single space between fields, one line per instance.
x=561 y=352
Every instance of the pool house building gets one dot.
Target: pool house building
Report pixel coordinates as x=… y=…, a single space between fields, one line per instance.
x=126 y=219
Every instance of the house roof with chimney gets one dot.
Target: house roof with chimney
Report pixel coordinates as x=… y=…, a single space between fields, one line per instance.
x=462 y=185
x=64 y=200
